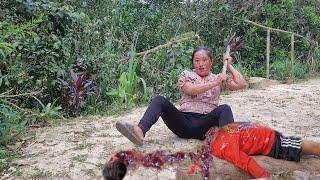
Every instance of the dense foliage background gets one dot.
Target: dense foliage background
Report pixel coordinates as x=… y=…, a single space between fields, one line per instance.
x=71 y=57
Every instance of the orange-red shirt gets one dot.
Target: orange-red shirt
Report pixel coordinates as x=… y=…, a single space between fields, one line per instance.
x=236 y=142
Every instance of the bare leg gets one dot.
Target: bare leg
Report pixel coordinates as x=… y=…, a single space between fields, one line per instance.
x=311 y=148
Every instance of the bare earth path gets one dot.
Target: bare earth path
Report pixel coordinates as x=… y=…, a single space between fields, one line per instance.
x=78 y=149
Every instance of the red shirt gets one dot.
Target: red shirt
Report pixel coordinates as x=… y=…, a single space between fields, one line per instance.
x=236 y=142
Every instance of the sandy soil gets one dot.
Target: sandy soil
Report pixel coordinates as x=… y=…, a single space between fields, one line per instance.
x=78 y=148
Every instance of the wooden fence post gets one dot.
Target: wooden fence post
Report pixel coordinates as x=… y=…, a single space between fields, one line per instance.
x=292 y=56
x=269 y=29
x=268 y=54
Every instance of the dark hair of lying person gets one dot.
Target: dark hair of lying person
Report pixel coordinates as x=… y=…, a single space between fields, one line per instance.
x=114 y=171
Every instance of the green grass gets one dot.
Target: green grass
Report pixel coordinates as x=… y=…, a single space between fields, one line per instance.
x=6 y=158
x=89 y=172
x=79 y=158
x=41 y=174
x=83 y=145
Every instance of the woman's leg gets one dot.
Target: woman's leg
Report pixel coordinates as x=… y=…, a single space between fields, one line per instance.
x=223 y=114
x=220 y=116
x=175 y=120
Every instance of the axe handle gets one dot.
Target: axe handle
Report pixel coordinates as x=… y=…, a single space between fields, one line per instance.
x=224 y=69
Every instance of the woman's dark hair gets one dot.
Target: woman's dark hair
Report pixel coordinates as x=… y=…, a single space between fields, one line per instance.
x=208 y=52
x=114 y=171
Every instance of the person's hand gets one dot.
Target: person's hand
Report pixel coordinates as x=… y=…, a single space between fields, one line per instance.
x=227 y=58
x=221 y=77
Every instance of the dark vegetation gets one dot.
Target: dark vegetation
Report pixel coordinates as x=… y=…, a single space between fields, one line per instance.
x=71 y=57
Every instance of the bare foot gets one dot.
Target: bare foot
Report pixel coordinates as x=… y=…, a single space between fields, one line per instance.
x=138 y=132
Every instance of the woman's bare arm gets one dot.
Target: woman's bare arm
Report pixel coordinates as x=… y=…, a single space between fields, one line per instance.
x=195 y=89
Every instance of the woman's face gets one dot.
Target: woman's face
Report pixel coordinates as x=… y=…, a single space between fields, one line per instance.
x=202 y=63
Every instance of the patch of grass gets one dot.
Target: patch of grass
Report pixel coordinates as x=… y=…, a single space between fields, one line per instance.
x=285 y=175
x=110 y=135
x=118 y=109
x=108 y=147
x=79 y=158
x=88 y=131
x=104 y=135
x=99 y=165
x=18 y=173
x=83 y=145
x=89 y=172
x=41 y=174
x=154 y=141
x=6 y=157
x=72 y=165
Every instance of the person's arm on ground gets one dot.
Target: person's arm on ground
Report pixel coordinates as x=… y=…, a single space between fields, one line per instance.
x=238 y=81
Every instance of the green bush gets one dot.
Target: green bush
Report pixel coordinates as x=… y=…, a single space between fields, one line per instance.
x=282 y=70
x=162 y=69
x=6 y=157
x=42 y=40
x=10 y=124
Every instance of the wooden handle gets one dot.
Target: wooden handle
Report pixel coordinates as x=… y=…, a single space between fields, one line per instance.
x=224 y=69
x=225 y=63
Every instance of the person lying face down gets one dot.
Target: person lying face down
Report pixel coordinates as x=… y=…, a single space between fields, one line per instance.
x=235 y=143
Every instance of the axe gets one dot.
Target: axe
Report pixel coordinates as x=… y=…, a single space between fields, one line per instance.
x=224 y=69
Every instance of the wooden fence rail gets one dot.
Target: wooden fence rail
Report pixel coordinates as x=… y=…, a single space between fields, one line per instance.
x=269 y=29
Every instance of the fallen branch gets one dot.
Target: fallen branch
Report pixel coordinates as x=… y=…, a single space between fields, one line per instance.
x=18 y=95
x=22 y=109
x=7 y=92
x=31 y=144
x=168 y=44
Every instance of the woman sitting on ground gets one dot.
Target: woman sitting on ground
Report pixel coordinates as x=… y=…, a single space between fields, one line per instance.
x=199 y=104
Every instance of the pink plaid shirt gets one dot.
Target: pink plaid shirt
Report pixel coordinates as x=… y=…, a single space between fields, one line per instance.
x=201 y=103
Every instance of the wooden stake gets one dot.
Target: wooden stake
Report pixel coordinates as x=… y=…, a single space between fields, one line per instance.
x=268 y=54
x=292 y=56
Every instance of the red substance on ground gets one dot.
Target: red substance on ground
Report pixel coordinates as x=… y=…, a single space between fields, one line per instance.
x=202 y=158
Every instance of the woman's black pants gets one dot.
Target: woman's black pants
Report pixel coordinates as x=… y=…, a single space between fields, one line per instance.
x=184 y=124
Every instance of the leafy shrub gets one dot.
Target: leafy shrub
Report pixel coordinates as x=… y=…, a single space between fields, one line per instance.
x=282 y=70
x=6 y=157
x=10 y=124
x=161 y=70
x=43 y=40
x=76 y=90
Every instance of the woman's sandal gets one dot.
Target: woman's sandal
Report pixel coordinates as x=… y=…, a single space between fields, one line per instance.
x=128 y=131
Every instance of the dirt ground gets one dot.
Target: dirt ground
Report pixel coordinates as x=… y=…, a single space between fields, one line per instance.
x=78 y=148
